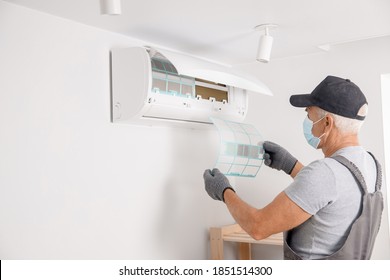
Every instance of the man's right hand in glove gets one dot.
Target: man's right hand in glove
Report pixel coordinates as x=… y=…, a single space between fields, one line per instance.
x=216 y=184
x=279 y=158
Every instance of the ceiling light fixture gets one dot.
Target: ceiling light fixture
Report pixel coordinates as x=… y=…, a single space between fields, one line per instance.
x=110 y=7
x=265 y=42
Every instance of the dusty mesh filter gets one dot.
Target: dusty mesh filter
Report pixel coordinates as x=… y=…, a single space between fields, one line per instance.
x=241 y=150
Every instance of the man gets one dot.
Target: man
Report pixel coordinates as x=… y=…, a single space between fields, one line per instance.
x=332 y=209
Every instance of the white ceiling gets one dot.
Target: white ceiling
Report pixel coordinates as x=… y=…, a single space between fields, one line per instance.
x=222 y=30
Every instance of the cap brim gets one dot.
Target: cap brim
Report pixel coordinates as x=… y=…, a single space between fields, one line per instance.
x=301 y=100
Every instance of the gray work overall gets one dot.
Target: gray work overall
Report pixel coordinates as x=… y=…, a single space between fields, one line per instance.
x=361 y=238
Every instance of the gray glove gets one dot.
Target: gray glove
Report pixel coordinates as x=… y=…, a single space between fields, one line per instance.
x=278 y=158
x=216 y=184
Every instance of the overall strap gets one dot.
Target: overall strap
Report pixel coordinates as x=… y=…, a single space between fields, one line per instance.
x=378 y=183
x=354 y=170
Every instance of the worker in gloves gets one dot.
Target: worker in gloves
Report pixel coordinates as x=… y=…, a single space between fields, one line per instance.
x=333 y=207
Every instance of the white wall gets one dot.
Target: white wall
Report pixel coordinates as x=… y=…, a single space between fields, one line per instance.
x=385 y=89
x=74 y=185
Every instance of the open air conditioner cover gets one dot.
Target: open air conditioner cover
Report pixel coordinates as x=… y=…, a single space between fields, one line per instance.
x=218 y=73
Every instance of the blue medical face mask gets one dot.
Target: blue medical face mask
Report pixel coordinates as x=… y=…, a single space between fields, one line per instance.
x=310 y=138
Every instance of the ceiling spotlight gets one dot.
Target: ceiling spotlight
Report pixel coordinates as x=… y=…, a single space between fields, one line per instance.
x=110 y=7
x=265 y=42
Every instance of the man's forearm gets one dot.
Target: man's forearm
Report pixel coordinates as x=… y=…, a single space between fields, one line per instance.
x=244 y=214
x=252 y=220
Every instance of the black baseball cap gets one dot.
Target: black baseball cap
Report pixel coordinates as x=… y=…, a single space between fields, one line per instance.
x=335 y=95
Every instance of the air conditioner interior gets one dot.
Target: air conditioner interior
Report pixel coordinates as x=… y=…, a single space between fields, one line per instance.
x=207 y=90
x=166 y=80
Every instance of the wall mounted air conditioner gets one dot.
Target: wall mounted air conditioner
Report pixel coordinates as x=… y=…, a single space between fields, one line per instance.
x=150 y=85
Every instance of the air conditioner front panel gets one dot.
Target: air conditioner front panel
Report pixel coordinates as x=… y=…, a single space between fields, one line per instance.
x=131 y=79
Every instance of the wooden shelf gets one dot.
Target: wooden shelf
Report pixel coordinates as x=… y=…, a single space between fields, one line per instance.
x=234 y=233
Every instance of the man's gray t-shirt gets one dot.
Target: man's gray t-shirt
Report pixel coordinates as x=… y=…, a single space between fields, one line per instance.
x=328 y=191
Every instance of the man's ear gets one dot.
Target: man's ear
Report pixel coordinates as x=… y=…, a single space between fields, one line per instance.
x=329 y=122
